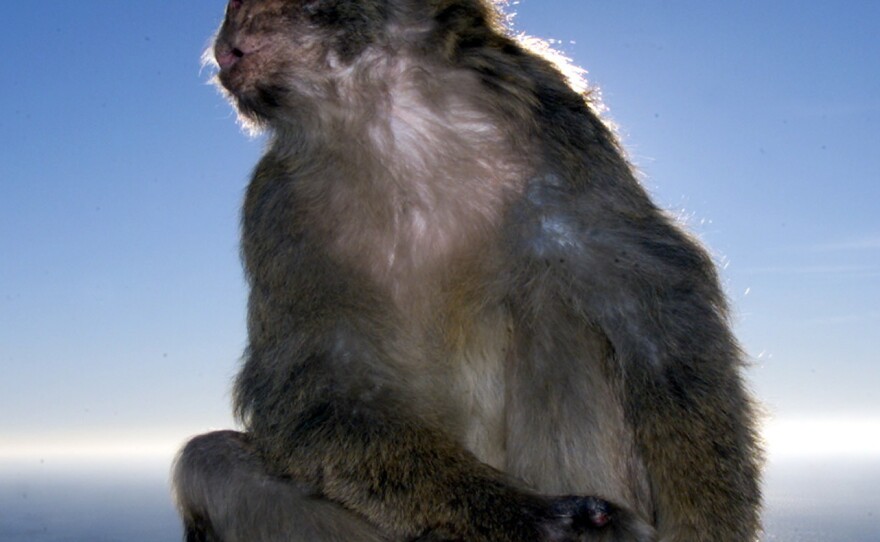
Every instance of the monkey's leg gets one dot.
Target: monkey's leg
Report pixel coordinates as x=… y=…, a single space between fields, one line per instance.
x=224 y=494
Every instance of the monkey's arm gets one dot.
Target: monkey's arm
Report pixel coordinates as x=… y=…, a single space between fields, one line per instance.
x=611 y=260
x=591 y=249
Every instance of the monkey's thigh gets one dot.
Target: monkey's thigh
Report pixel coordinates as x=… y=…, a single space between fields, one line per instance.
x=224 y=494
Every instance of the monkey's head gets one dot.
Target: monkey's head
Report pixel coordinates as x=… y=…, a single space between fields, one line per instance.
x=270 y=51
x=274 y=55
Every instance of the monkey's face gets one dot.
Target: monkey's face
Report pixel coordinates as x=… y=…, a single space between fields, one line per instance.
x=272 y=54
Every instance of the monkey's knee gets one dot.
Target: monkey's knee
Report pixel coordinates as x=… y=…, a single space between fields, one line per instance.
x=224 y=493
x=198 y=480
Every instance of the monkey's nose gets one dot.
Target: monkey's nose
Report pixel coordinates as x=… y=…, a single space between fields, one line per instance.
x=227 y=56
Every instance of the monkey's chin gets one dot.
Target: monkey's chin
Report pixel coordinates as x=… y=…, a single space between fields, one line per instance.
x=251 y=123
x=254 y=112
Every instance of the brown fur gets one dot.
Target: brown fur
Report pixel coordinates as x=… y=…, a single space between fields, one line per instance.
x=463 y=305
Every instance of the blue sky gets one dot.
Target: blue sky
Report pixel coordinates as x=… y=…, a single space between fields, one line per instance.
x=121 y=296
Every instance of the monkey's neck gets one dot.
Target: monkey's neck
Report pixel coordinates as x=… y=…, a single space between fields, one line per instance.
x=417 y=170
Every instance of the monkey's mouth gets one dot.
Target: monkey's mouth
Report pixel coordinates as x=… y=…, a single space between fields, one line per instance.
x=228 y=57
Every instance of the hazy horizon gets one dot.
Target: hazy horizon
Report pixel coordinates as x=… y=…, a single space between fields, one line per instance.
x=807 y=499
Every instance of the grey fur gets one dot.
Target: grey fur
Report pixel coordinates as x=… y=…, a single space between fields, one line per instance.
x=463 y=307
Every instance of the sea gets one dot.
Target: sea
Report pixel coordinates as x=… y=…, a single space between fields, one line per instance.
x=815 y=499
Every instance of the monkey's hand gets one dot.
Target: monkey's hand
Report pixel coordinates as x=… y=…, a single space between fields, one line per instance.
x=582 y=519
x=561 y=519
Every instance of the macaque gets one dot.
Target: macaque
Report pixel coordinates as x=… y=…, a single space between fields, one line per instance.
x=467 y=320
